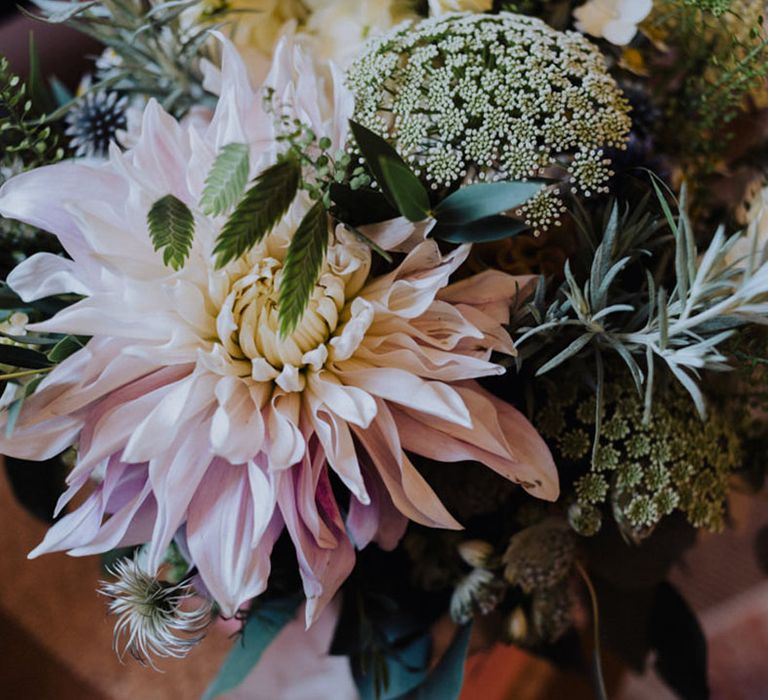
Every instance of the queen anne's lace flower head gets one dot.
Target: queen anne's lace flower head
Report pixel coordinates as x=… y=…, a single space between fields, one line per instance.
x=211 y=428
x=473 y=97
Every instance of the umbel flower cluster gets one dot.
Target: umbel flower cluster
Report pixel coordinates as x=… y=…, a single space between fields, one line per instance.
x=644 y=470
x=493 y=97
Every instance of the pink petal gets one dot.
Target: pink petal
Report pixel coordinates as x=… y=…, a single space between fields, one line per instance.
x=219 y=530
x=502 y=438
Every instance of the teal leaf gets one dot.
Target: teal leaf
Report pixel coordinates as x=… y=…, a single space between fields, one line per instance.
x=362 y=206
x=259 y=210
x=226 y=180
x=493 y=228
x=14 y=410
x=484 y=199
x=302 y=267
x=446 y=680
x=406 y=669
x=266 y=621
x=60 y=11
x=171 y=228
x=409 y=195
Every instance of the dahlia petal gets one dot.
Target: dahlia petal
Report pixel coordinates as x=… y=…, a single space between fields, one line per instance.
x=398 y=235
x=73 y=529
x=175 y=476
x=502 y=439
x=128 y=524
x=492 y=291
x=401 y=387
x=44 y=274
x=220 y=528
x=409 y=290
x=182 y=401
x=239 y=115
x=336 y=440
x=42 y=198
x=410 y=493
x=322 y=570
x=237 y=428
x=377 y=521
x=286 y=443
x=348 y=402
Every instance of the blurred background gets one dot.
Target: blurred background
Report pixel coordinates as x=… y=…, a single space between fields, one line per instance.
x=56 y=639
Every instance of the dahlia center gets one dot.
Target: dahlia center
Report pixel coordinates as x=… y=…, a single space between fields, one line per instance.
x=249 y=326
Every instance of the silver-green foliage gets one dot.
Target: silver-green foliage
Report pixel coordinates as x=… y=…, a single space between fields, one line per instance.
x=679 y=325
x=155 y=55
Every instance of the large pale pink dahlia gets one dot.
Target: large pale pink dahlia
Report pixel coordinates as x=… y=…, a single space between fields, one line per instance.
x=209 y=427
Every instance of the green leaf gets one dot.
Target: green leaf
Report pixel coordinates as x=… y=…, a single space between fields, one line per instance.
x=375 y=150
x=362 y=206
x=264 y=624
x=259 y=210
x=446 y=680
x=22 y=357
x=302 y=267
x=226 y=180
x=493 y=228
x=484 y=199
x=171 y=228
x=41 y=99
x=67 y=346
x=405 y=188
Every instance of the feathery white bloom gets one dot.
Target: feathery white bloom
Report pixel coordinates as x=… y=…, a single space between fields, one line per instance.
x=151 y=619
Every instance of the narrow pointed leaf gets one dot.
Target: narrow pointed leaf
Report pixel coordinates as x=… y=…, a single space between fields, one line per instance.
x=484 y=199
x=302 y=267
x=226 y=180
x=405 y=188
x=171 y=228
x=15 y=356
x=259 y=210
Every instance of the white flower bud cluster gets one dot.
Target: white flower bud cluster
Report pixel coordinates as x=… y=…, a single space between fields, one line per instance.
x=467 y=97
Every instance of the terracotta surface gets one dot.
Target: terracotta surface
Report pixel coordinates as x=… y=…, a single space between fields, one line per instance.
x=55 y=636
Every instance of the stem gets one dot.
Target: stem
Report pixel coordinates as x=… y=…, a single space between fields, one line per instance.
x=597 y=664
x=24 y=373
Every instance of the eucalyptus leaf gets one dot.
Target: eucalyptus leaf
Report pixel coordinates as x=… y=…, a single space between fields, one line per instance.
x=484 y=199
x=493 y=228
x=265 y=622
x=171 y=228
x=301 y=269
x=226 y=180
x=259 y=211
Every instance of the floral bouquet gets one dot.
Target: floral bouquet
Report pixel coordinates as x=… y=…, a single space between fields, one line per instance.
x=420 y=322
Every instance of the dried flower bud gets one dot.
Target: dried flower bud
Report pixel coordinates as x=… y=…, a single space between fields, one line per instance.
x=477 y=553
